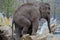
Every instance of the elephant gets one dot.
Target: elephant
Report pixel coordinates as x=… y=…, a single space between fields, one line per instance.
x=26 y=18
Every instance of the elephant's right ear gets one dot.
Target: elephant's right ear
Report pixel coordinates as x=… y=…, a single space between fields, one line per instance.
x=48 y=5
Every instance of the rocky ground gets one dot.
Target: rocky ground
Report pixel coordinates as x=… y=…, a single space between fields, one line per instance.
x=41 y=37
x=42 y=34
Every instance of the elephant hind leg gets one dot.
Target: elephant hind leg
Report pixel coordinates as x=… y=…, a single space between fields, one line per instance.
x=25 y=23
x=18 y=31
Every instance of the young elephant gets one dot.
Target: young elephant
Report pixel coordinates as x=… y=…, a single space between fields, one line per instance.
x=26 y=18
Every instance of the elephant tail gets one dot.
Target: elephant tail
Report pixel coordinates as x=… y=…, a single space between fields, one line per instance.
x=12 y=30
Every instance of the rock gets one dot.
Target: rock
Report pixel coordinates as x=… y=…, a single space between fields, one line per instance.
x=26 y=37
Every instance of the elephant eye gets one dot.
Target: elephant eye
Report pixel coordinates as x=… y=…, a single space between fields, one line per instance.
x=48 y=12
x=49 y=8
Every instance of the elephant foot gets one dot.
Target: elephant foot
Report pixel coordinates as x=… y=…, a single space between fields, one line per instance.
x=33 y=33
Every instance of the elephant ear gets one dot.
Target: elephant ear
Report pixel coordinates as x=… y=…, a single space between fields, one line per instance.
x=48 y=5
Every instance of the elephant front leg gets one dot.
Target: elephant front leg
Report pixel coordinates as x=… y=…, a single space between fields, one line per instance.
x=35 y=25
x=25 y=30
